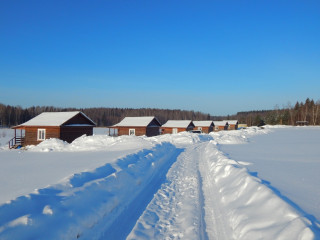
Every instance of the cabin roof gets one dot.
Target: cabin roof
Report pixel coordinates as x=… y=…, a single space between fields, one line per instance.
x=136 y=122
x=233 y=122
x=220 y=123
x=177 y=123
x=202 y=123
x=54 y=119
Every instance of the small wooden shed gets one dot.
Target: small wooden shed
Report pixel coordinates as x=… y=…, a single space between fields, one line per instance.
x=220 y=125
x=176 y=126
x=232 y=124
x=204 y=126
x=138 y=126
x=66 y=126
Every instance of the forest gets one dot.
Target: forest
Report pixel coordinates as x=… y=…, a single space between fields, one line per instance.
x=307 y=111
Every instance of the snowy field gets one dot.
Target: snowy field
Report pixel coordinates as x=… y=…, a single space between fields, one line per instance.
x=246 y=184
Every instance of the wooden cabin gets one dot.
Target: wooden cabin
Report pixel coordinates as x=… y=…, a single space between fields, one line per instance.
x=232 y=124
x=302 y=123
x=220 y=125
x=66 y=126
x=138 y=126
x=176 y=126
x=204 y=126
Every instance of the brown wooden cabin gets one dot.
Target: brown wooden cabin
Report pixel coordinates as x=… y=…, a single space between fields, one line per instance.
x=138 y=126
x=220 y=125
x=232 y=124
x=204 y=126
x=176 y=126
x=66 y=126
x=302 y=123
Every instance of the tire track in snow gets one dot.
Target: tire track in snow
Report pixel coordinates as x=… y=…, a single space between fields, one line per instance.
x=176 y=211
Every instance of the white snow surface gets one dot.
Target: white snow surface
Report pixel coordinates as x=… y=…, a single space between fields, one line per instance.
x=177 y=123
x=53 y=119
x=220 y=123
x=181 y=186
x=202 y=123
x=135 y=122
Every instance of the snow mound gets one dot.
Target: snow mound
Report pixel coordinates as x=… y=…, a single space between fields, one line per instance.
x=237 y=136
x=182 y=139
x=253 y=210
x=91 y=143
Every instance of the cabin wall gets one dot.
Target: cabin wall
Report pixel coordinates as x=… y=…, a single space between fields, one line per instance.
x=31 y=134
x=153 y=131
x=205 y=129
x=168 y=130
x=220 y=128
x=140 y=131
x=233 y=126
x=69 y=134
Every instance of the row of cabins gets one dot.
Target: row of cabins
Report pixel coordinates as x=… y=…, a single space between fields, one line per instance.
x=68 y=126
x=150 y=126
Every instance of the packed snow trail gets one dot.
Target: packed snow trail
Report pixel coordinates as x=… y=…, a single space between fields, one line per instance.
x=176 y=211
x=208 y=196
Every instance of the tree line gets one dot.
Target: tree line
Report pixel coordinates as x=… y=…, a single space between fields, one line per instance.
x=307 y=111
x=103 y=117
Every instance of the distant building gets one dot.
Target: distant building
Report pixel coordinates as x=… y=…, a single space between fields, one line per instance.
x=204 y=126
x=302 y=123
x=220 y=125
x=138 y=126
x=66 y=126
x=232 y=124
x=242 y=125
x=176 y=126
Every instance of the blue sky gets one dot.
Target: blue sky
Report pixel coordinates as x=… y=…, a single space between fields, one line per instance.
x=218 y=57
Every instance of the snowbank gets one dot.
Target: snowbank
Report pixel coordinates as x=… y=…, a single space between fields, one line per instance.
x=238 y=136
x=252 y=209
x=90 y=203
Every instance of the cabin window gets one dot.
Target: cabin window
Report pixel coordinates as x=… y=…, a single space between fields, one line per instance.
x=174 y=130
x=132 y=132
x=41 y=134
x=200 y=128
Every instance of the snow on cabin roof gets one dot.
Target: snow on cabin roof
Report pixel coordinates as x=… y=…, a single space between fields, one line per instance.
x=233 y=122
x=177 y=123
x=136 y=122
x=53 y=119
x=202 y=123
x=219 y=123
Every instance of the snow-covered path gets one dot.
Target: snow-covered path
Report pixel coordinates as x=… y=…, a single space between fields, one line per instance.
x=176 y=211
x=209 y=196
x=168 y=187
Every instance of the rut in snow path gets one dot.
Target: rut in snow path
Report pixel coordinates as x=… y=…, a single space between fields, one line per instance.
x=176 y=211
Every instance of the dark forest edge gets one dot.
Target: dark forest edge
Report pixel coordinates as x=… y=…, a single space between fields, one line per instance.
x=289 y=115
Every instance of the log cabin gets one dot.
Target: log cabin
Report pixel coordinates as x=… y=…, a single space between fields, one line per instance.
x=66 y=126
x=138 y=126
x=176 y=126
x=232 y=124
x=220 y=125
x=204 y=126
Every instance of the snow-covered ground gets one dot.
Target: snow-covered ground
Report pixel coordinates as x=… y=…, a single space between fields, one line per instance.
x=185 y=186
x=288 y=160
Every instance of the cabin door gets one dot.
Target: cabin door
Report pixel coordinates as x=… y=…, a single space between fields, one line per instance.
x=132 y=132
x=174 y=130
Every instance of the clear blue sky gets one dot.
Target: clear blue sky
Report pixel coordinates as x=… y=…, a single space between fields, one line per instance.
x=218 y=57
